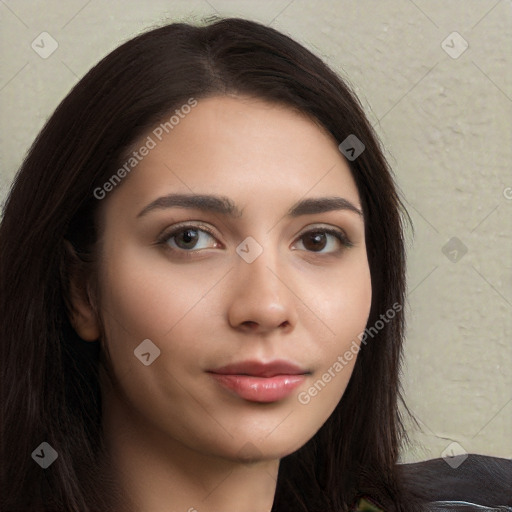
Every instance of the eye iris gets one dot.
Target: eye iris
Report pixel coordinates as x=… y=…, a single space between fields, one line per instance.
x=189 y=237
x=318 y=239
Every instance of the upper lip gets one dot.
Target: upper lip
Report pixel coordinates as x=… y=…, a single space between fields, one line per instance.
x=260 y=369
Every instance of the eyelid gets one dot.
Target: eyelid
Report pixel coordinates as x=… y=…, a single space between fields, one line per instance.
x=324 y=227
x=168 y=233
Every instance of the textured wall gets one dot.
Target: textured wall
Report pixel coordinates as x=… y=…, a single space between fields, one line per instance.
x=443 y=111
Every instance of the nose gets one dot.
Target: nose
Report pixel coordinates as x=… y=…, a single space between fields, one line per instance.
x=261 y=299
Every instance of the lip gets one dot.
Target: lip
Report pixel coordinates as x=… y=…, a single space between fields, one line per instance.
x=260 y=382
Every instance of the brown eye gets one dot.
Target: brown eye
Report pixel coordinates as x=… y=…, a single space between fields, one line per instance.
x=188 y=239
x=319 y=239
x=314 y=241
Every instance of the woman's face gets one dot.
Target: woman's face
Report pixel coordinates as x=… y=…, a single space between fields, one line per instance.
x=201 y=256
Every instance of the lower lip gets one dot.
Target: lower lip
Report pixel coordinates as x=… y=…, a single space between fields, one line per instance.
x=260 y=389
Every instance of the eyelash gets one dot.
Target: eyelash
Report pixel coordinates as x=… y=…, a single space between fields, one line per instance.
x=164 y=238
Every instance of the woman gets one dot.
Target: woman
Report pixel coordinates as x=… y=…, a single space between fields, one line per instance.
x=202 y=268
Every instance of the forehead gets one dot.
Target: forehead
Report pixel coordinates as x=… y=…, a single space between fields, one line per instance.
x=240 y=147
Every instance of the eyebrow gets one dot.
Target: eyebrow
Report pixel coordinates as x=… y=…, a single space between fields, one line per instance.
x=225 y=206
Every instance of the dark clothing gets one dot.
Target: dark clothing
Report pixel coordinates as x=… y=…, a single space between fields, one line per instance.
x=479 y=484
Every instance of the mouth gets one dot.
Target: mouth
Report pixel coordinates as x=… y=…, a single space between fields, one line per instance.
x=256 y=381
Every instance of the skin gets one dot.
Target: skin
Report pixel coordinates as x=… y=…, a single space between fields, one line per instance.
x=179 y=440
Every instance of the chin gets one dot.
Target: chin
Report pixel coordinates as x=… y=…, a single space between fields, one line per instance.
x=253 y=449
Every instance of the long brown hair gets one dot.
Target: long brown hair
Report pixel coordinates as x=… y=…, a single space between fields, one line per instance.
x=50 y=376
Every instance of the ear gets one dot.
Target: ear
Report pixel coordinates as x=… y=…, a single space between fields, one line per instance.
x=82 y=310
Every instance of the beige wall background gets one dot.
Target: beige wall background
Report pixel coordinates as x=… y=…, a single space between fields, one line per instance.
x=435 y=78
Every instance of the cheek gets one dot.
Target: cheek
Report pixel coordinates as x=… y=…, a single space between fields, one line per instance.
x=343 y=301
x=347 y=303
x=141 y=299
x=149 y=297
